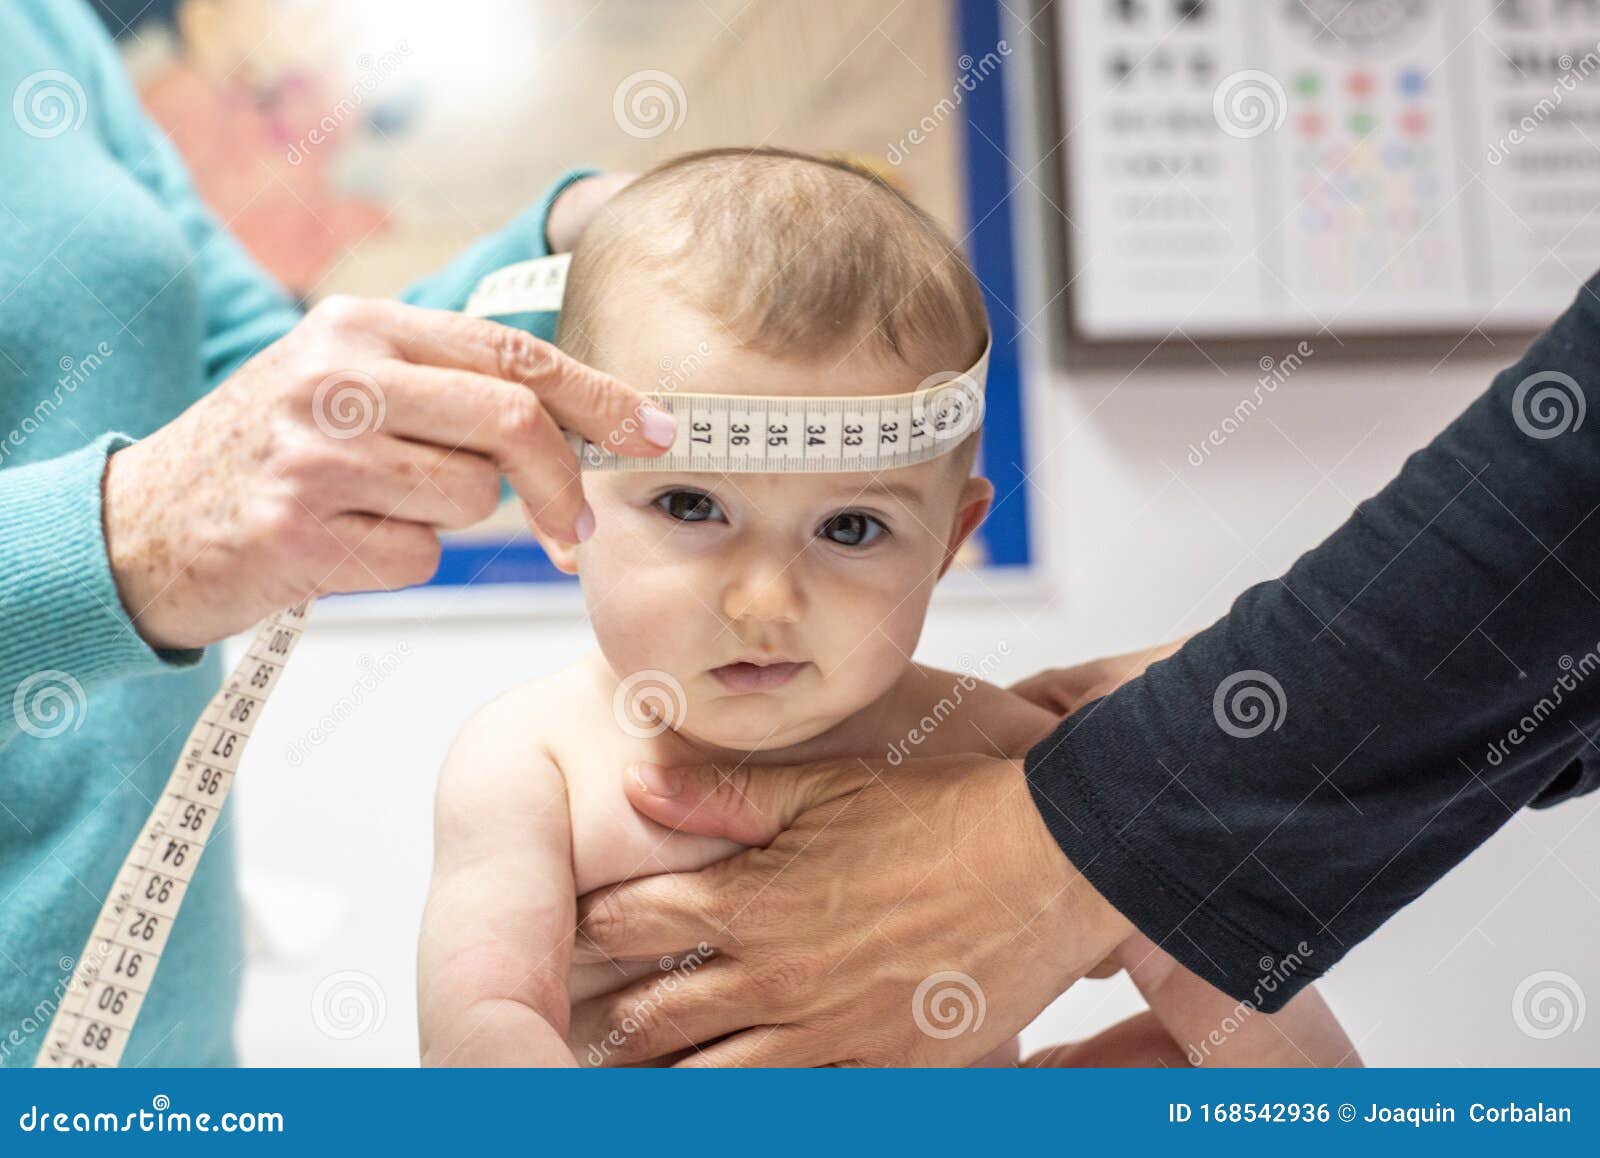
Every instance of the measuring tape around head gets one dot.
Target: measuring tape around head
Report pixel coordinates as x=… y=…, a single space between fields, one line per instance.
x=96 y=1014
x=731 y=434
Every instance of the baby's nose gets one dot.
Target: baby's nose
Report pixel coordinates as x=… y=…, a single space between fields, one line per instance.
x=771 y=594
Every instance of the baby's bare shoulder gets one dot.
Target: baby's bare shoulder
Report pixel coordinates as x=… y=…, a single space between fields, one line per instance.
x=972 y=715
x=521 y=730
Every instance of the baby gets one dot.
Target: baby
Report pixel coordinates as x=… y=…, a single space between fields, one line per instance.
x=743 y=618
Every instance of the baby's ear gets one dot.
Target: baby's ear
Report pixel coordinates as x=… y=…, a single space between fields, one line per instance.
x=563 y=555
x=971 y=508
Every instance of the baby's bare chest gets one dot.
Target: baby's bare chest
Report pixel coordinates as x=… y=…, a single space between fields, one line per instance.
x=612 y=843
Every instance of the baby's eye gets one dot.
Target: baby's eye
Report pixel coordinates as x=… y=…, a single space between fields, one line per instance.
x=852 y=529
x=690 y=507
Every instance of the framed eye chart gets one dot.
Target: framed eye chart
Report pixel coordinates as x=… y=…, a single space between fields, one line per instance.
x=1363 y=167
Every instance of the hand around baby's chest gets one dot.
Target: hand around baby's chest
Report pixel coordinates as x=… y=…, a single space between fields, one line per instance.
x=612 y=843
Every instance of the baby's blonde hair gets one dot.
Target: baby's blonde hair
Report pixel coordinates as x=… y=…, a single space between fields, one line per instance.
x=792 y=254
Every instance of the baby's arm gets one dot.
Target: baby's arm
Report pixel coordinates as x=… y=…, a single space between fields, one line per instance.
x=1210 y=1028
x=497 y=932
x=1141 y=1041
x=1190 y=1022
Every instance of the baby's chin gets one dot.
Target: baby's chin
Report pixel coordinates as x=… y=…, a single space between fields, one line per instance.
x=738 y=732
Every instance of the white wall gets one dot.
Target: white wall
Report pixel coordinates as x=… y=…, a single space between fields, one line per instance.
x=1144 y=546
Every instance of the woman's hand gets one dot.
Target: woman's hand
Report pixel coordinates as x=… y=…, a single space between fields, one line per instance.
x=918 y=915
x=331 y=460
x=1064 y=690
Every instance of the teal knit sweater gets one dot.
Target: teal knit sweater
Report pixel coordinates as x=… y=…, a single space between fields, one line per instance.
x=121 y=302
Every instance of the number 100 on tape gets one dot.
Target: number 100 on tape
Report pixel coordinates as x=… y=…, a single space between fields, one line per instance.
x=97 y=1013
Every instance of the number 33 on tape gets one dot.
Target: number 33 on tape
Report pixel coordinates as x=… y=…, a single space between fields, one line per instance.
x=97 y=1013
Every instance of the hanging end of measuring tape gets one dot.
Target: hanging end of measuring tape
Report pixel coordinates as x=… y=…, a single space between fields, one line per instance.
x=528 y=287
x=96 y=1013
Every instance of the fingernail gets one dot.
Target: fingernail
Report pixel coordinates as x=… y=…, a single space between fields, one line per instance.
x=584 y=527
x=659 y=426
x=656 y=780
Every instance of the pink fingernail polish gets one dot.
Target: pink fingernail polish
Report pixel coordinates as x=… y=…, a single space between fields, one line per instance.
x=660 y=427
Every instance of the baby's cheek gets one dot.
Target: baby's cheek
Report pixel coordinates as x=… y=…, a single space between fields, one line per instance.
x=632 y=611
x=639 y=627
x=869 y=636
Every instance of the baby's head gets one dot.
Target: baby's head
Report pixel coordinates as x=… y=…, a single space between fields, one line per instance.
x=782 y=604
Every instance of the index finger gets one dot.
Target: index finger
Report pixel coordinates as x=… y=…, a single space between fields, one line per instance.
x=741 y=803
x=646 y=918
x=579 y=397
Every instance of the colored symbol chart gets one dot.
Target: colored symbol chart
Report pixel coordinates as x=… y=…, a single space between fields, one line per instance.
x=1242 y=167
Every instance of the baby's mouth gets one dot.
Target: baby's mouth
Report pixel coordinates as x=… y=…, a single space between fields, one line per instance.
x=756 y=677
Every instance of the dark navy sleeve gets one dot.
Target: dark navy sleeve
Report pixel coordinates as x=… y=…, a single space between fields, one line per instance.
x=1579 y=778
x=1263 y=800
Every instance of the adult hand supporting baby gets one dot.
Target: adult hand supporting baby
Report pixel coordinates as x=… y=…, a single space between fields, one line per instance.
x=330 y=461
x=1064 y=690
x=874 y=890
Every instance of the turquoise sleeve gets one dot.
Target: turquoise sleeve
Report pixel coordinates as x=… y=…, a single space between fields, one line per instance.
x=245 y=309
x=522 y=240
x=62 y=611
x=66 y=629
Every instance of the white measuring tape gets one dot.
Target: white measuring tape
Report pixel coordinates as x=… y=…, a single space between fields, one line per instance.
x=114 y=972
x=724 y=433
x=731 y=434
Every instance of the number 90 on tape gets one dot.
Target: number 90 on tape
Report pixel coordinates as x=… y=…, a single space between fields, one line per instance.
x=113 y=974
